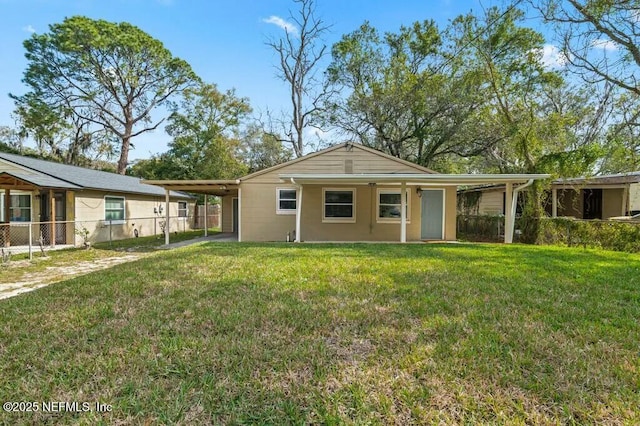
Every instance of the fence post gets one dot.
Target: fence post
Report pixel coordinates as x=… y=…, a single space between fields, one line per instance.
x=30 y=237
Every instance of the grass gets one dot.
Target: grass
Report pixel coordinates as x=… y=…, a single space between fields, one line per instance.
x=333 y=334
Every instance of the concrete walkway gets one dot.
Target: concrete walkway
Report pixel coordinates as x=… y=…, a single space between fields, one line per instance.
x=53 y=274
x=221 y=237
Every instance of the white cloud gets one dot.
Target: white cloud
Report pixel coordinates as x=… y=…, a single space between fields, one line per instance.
x=603 y=44
x=552 y=57
x=285 y=25
x=29 y=29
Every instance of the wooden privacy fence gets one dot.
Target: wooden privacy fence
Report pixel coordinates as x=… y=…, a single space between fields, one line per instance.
x=213 y=216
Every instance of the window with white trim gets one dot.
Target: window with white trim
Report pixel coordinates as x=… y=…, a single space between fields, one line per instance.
x=389 y=205
x=114 y=209
x=182 y=209
x=339 y=205
x=286 y=201
x=19 y=208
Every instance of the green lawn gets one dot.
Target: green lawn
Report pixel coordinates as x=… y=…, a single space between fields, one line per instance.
x=293 y=334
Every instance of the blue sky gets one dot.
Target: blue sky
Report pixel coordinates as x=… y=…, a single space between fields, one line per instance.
x=224 y=41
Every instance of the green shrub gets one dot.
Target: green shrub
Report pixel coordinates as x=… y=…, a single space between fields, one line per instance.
x=610 y=235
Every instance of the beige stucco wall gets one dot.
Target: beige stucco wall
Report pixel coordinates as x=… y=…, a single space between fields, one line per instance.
x=227 y=213
x=612 y=203
x=139 y=214
x=261 y=222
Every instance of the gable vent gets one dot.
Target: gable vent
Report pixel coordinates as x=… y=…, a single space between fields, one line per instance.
x=348 y=166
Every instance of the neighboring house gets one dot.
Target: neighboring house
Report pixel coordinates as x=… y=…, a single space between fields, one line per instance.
x=107 y=205
x=344 y=193
x=598 y=197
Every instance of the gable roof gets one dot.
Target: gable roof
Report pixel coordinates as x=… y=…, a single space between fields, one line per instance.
x=55 y=175
x=334 y=148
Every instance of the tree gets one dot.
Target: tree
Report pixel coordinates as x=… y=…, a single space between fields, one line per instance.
x=261 y=150
x=61 y=135
x=299 y=53
x=546 y=126
x=108 y=75
x=622 y=148
x=406 y=94
x=10 y=140
x=600 y=38
x=206 y=142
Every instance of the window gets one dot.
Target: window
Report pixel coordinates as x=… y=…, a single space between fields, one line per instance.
x=389 y=203
x=182 y=209
x=19 y=210
x=286 y=201
x=339 y=205
x=114 y=208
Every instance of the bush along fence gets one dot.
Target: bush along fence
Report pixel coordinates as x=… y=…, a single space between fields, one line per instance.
x=606 y=234
x=38 y=237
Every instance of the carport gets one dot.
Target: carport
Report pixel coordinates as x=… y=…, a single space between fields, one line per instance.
x=205 y=187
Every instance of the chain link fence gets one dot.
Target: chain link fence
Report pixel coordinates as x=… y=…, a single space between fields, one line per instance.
x=38 y=237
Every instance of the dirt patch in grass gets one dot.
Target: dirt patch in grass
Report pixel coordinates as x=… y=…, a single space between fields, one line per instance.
x=51 y=274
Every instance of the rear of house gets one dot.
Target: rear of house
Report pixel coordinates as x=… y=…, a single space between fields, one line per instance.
x=335 y=209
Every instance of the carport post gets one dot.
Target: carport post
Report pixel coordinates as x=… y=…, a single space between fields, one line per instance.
x=508 y=218
x=554 y=202
x=166 y=225
x=206 y=210
x=403 y=212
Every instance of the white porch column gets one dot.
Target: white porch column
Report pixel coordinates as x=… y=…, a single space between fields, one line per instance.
x=508 y=218
x=239 y=224
x=206 y=210
x=554 y=202
x=298 y=214
x=167 y=216
x=403 y=212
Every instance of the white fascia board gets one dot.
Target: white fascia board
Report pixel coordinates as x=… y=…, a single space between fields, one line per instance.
x=412 y=178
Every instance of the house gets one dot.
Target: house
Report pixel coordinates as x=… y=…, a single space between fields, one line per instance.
x=347 y=192
x=50 y=201
x=598 y=197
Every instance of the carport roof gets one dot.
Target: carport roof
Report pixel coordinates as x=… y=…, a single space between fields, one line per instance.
x=211 y=187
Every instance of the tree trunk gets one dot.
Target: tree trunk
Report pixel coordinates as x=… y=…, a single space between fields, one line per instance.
x=124 y=150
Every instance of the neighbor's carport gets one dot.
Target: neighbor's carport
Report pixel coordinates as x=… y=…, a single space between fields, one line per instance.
x=206 y=187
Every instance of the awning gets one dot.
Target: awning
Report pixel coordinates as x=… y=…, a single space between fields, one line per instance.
x=31 y=180
x=423 y=179
x=210 y=187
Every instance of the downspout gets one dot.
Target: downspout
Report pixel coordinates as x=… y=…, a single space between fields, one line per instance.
x=514 y=203
x=298 y=208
